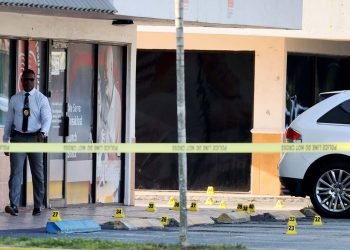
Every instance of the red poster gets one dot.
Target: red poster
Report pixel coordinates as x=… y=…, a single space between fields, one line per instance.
x=20 y=62
x=34 y=60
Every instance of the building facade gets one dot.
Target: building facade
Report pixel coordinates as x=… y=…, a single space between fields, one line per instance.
x=86 y=68
x=259 y=81
x=84 y=57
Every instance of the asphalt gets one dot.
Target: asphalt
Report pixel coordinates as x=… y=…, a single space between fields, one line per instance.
x=103 y=213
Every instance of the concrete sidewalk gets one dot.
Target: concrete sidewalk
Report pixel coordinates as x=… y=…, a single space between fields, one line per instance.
x=103 y=213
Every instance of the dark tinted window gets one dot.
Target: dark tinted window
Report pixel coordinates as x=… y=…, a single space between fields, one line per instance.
x=219 y=108
x=310 y=75
x=339 y=115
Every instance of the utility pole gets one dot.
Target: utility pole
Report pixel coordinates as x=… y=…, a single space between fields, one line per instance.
x=181 y=118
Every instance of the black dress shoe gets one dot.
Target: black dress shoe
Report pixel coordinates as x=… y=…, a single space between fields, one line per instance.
x=13 y=210
x=36 y=212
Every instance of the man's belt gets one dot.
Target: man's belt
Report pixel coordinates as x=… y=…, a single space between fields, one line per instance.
x=15 y=132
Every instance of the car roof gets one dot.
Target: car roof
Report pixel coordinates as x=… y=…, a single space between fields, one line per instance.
x=320 y=108
x=327 y=94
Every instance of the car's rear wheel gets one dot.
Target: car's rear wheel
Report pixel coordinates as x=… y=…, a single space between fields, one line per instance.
x=330 y=192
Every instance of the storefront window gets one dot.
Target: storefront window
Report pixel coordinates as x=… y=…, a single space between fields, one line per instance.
x=109 y=121
x=310 y=75
x=37 y=62
x=219 y=108
x=4 y=78
x=80 y=112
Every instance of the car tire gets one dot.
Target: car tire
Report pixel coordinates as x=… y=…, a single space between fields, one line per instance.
x=330 y=190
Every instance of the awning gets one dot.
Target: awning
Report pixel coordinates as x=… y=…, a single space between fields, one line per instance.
x=86 y=6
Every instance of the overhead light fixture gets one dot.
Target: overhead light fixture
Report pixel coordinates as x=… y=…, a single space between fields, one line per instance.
x=122 y=21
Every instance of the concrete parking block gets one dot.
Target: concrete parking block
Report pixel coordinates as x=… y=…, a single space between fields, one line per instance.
x=231 y=218
x=276 y=215
x=133 y=224
x=309 y=212
x=195 y=220
x=192 y=220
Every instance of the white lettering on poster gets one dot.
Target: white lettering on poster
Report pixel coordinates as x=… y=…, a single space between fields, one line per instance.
x=55 y=63
x=76 y=119
x=56 y=109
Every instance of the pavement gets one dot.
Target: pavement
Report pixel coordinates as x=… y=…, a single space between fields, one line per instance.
x=136 y=215
x=264 y=229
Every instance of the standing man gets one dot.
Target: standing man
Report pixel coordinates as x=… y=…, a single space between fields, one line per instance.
x=28 y=120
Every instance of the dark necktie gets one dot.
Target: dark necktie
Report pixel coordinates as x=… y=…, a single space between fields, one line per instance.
x=25 y=113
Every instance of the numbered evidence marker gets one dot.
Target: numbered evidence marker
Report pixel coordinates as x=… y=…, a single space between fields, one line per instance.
x=119 y=213
x=55 y=216
x=164 y=220
x=317 y=221
x=292 y=221
x=210 y=190
x=239 y=207
x=292 y=229
x=193 y=207
x=176 y=206
x=151 y=207
x=245 y=208
x=292 y=225
x=251 y=208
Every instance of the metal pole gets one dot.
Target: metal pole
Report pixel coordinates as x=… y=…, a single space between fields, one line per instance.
x=181 y=118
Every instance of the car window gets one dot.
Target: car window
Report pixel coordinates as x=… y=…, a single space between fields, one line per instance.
x=346 y=106
x=338 y=115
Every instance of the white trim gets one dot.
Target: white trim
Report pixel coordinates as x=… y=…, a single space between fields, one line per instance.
x=129 y=185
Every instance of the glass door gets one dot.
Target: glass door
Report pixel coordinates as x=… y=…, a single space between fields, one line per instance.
x=59 y=127
x=80 y=109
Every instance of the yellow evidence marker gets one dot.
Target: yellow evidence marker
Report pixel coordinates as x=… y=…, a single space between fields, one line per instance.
x=292 y=221
x=210 y=190
x=164 y=220
x=292 y=229
x=239 y=207
x=176 y=206
x=317 y=221
x=171 y=201
x=279 y=204
x=245 y=208
x=55 y=216
x=193 y=207
x=151 y=207
x=119 y=213
x=209 y=201
x=251 y=208
x=223 y=205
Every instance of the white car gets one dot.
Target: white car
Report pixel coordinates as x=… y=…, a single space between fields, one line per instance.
x=324 y=176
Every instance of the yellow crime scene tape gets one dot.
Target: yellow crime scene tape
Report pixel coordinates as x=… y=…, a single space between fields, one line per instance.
x=174 y=147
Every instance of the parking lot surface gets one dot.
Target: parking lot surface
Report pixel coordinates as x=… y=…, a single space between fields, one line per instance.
x=266 y=228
